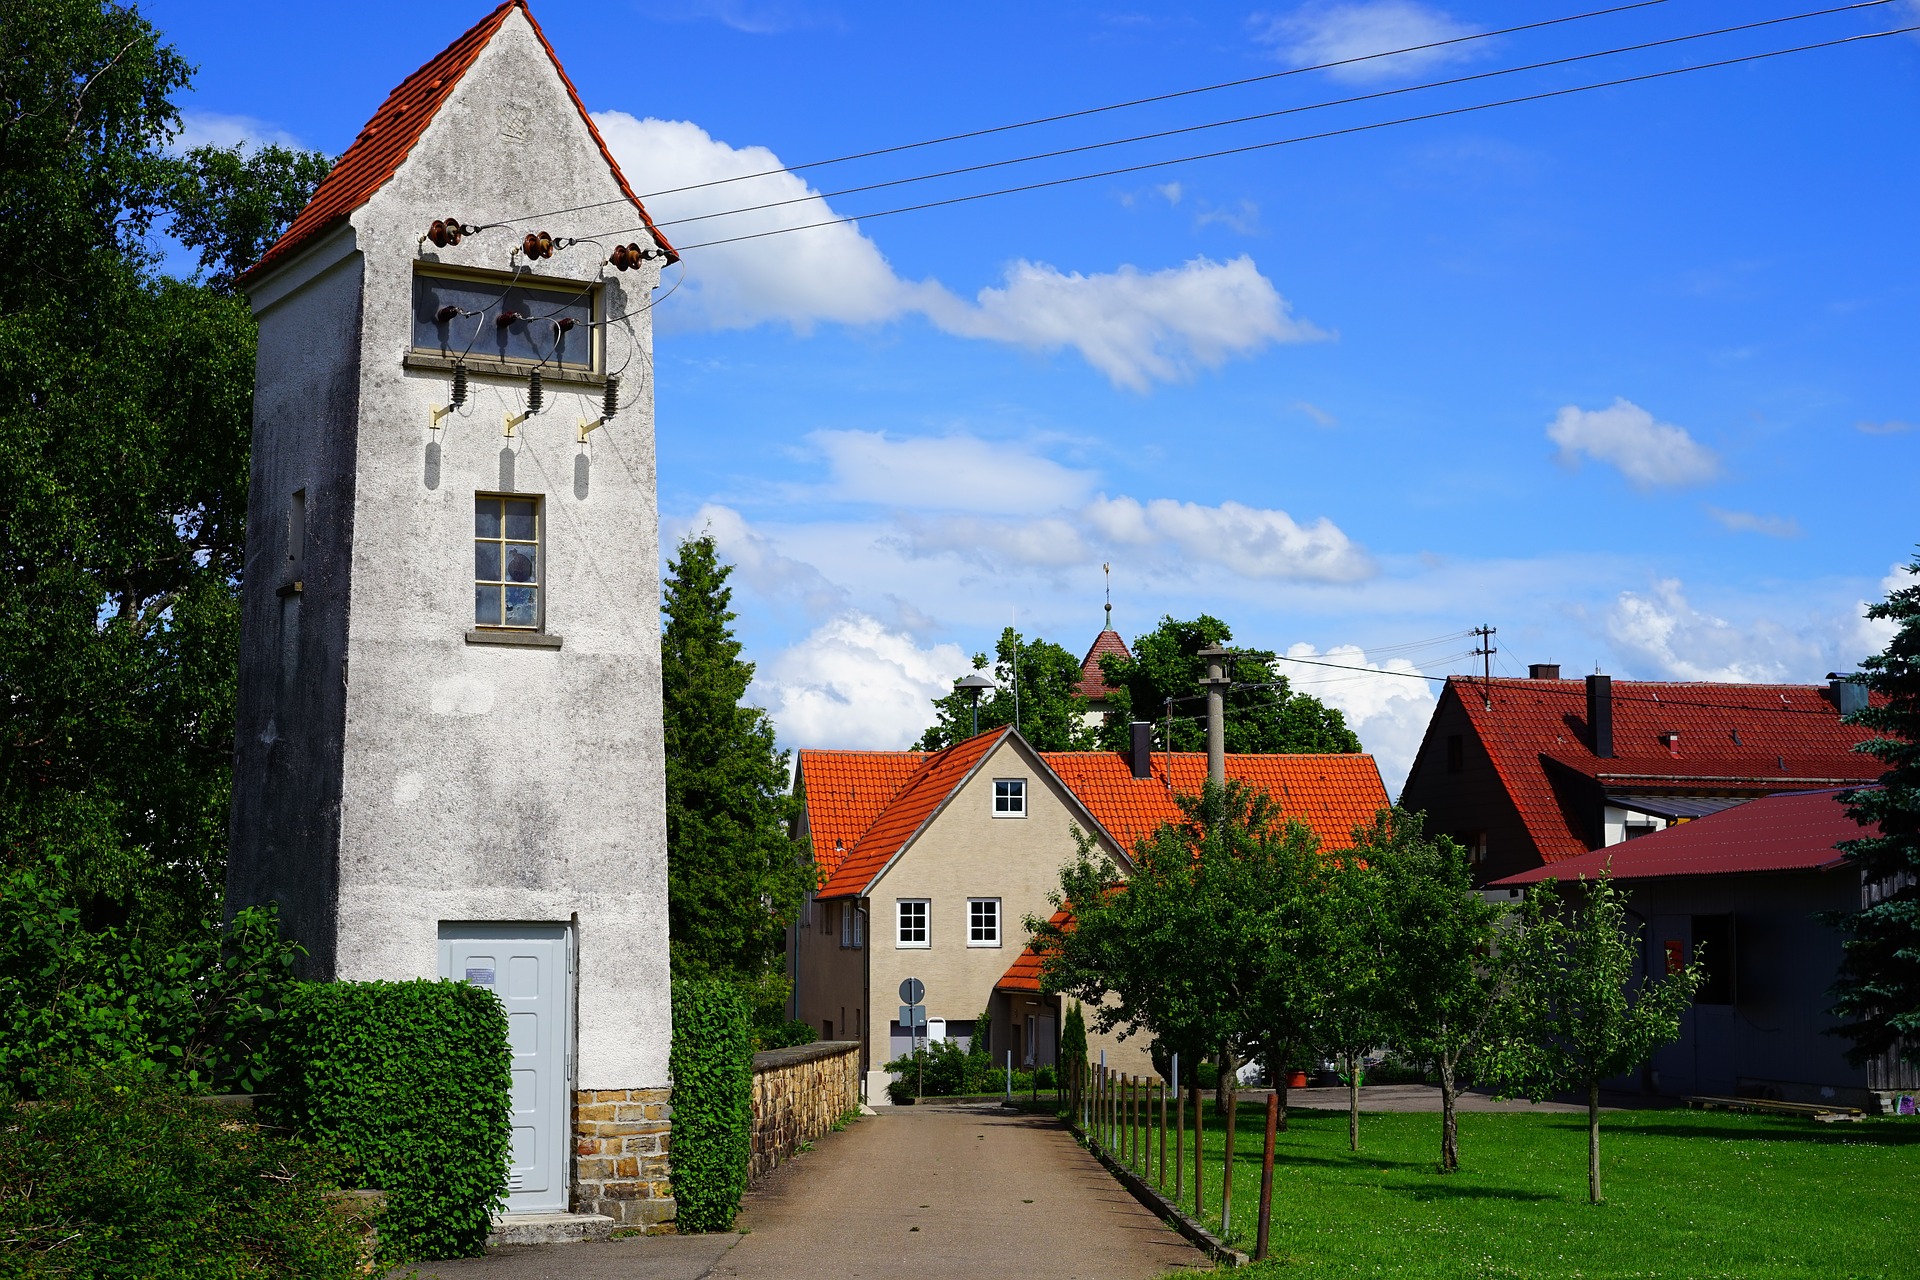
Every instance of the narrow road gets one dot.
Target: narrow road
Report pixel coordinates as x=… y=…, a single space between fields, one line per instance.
x=959 y=1190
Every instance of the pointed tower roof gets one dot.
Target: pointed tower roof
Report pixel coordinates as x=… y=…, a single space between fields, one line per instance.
x=383 y=145
x=1093 y=682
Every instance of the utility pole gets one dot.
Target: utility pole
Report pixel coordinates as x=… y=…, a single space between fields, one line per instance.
x=1216 y=683
x=1485 y=653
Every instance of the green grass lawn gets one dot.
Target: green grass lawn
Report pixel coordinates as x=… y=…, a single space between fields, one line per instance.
x=1689 y=1194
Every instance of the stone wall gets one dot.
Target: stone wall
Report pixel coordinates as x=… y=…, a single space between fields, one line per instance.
x=620 y=1154
x=799 y=1094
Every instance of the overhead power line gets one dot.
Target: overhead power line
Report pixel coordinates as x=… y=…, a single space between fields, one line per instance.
x=1083 y=112
x=1249 y=148
x=1277 y=113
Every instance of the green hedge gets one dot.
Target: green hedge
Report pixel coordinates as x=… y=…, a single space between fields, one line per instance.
x=408 y=1082
x=122 y=1175
x=712 y=1064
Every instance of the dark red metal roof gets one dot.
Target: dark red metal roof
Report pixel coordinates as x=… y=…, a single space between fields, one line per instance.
x=1789 y=831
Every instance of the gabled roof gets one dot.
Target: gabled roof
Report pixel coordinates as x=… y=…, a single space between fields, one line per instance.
x=844 y=792
x=384 y=144
x=1734 y=739
x=920 y=796
x=1331 y=794
x=1792 y=831
x=1024 y=973
x=1093 y=681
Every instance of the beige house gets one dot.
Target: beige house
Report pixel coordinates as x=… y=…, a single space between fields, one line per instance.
x=931 y=863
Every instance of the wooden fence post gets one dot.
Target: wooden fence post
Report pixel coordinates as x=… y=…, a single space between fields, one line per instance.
x=1199 y=1145
x=1179 y=1135
x=1163 y=1131
x=1226 y=1169
x=1266 y=1178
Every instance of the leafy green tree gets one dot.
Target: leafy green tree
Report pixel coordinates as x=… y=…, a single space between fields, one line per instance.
x=126 y=402
x=1575 y=1015
x=1439 y=994
x=1354 y=942
x=735 y=873
x=1878 y=991
x=1050 y=713
x=1262 y=716
x=231 y=204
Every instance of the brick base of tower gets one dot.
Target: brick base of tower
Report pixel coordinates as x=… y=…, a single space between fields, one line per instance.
x=620 y=1139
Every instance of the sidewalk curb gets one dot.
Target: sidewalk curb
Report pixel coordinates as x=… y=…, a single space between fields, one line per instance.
x=1143 y=1191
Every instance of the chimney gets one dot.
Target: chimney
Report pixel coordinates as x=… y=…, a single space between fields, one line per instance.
x=1847 y=693
x=1142 y=753
x=1543 y=671
x=1671 y=740
x=1600 y=715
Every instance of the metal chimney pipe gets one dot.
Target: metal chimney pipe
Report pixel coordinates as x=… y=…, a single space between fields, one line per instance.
x=1141 y=753
x=1600 y=715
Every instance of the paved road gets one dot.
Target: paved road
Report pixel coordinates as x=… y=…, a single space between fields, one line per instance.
x=952 y=1190
x=931 y=1191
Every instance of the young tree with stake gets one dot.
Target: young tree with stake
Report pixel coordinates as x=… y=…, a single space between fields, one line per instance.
x=1576 y=1014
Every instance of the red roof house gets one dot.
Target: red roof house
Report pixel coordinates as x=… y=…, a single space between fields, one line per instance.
x=1531 y=772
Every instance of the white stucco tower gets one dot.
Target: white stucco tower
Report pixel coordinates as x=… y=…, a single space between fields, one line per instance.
x=448 y=759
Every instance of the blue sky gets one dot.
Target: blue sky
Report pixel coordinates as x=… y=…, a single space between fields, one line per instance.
x=1626 y=374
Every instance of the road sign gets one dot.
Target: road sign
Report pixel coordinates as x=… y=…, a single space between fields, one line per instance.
x=913 y=1016
x=913 y=991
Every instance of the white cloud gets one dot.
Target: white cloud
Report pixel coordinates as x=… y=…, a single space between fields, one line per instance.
x=1134 y=326
x=211 y=128
x=1661 y=633
x=1891 y=427
x=1873 y=635
x=1748 y=522
x=1314 y=34
x=854 y=683
x=946 y=473
x=1256 y=542
x=1321 y=418
x=1170 y=192
x=1388 y=712
x=757 y=563
x=1049 y=542
x=1648 y=453
x=1243 y=217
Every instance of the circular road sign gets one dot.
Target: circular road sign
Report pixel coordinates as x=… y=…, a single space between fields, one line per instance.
x=913 y=991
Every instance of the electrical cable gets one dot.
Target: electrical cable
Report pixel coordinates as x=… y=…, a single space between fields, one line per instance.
x=1270 y=115
x=1116 y=106
x=1312 y=137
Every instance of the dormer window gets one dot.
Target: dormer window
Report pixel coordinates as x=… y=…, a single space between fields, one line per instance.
x=1009 y=797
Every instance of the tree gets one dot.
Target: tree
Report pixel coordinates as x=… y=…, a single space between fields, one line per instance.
x=231 y=204
x=1878 y=991
x=1263 y=718
x=125 y=399
x=1441 y=994
x=735 y=873
x=1050 y=712
x=1575 y=1014
x=1355 y=941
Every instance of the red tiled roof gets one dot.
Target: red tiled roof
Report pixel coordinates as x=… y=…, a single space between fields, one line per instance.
x=1093 y=682
x=1791 y=831
x=1733 y=739
x=383 y=145
x=1332 y=794
x=920 y=795
x=844 y=792
x=1024 y=973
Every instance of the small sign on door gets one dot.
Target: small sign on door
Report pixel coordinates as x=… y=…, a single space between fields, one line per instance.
x=484 y=977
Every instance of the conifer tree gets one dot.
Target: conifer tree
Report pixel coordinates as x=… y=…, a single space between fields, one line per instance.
x=735 y=875
x=1878 y=992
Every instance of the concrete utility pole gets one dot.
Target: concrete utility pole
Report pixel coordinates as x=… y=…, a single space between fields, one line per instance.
x=1216 y=684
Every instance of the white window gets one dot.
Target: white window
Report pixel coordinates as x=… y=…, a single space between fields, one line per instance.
x=1009 y=797
x=983 y=922
x=846 y=924
x=913 y=931
x=859 y=927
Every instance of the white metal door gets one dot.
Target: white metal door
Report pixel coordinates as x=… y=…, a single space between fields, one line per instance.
x=529 y=968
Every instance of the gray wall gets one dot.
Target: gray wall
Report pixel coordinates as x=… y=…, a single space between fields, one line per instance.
x=452 y=781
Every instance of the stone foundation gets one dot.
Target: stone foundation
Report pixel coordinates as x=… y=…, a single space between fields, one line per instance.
x=620 y=1154
x=799 y=1094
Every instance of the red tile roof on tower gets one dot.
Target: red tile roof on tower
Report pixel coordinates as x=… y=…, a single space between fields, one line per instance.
x=1733 y=739
x=1093 y=681
x=936 y=778
x=1792 y=831
x=383 y=145
x=1331 y=794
